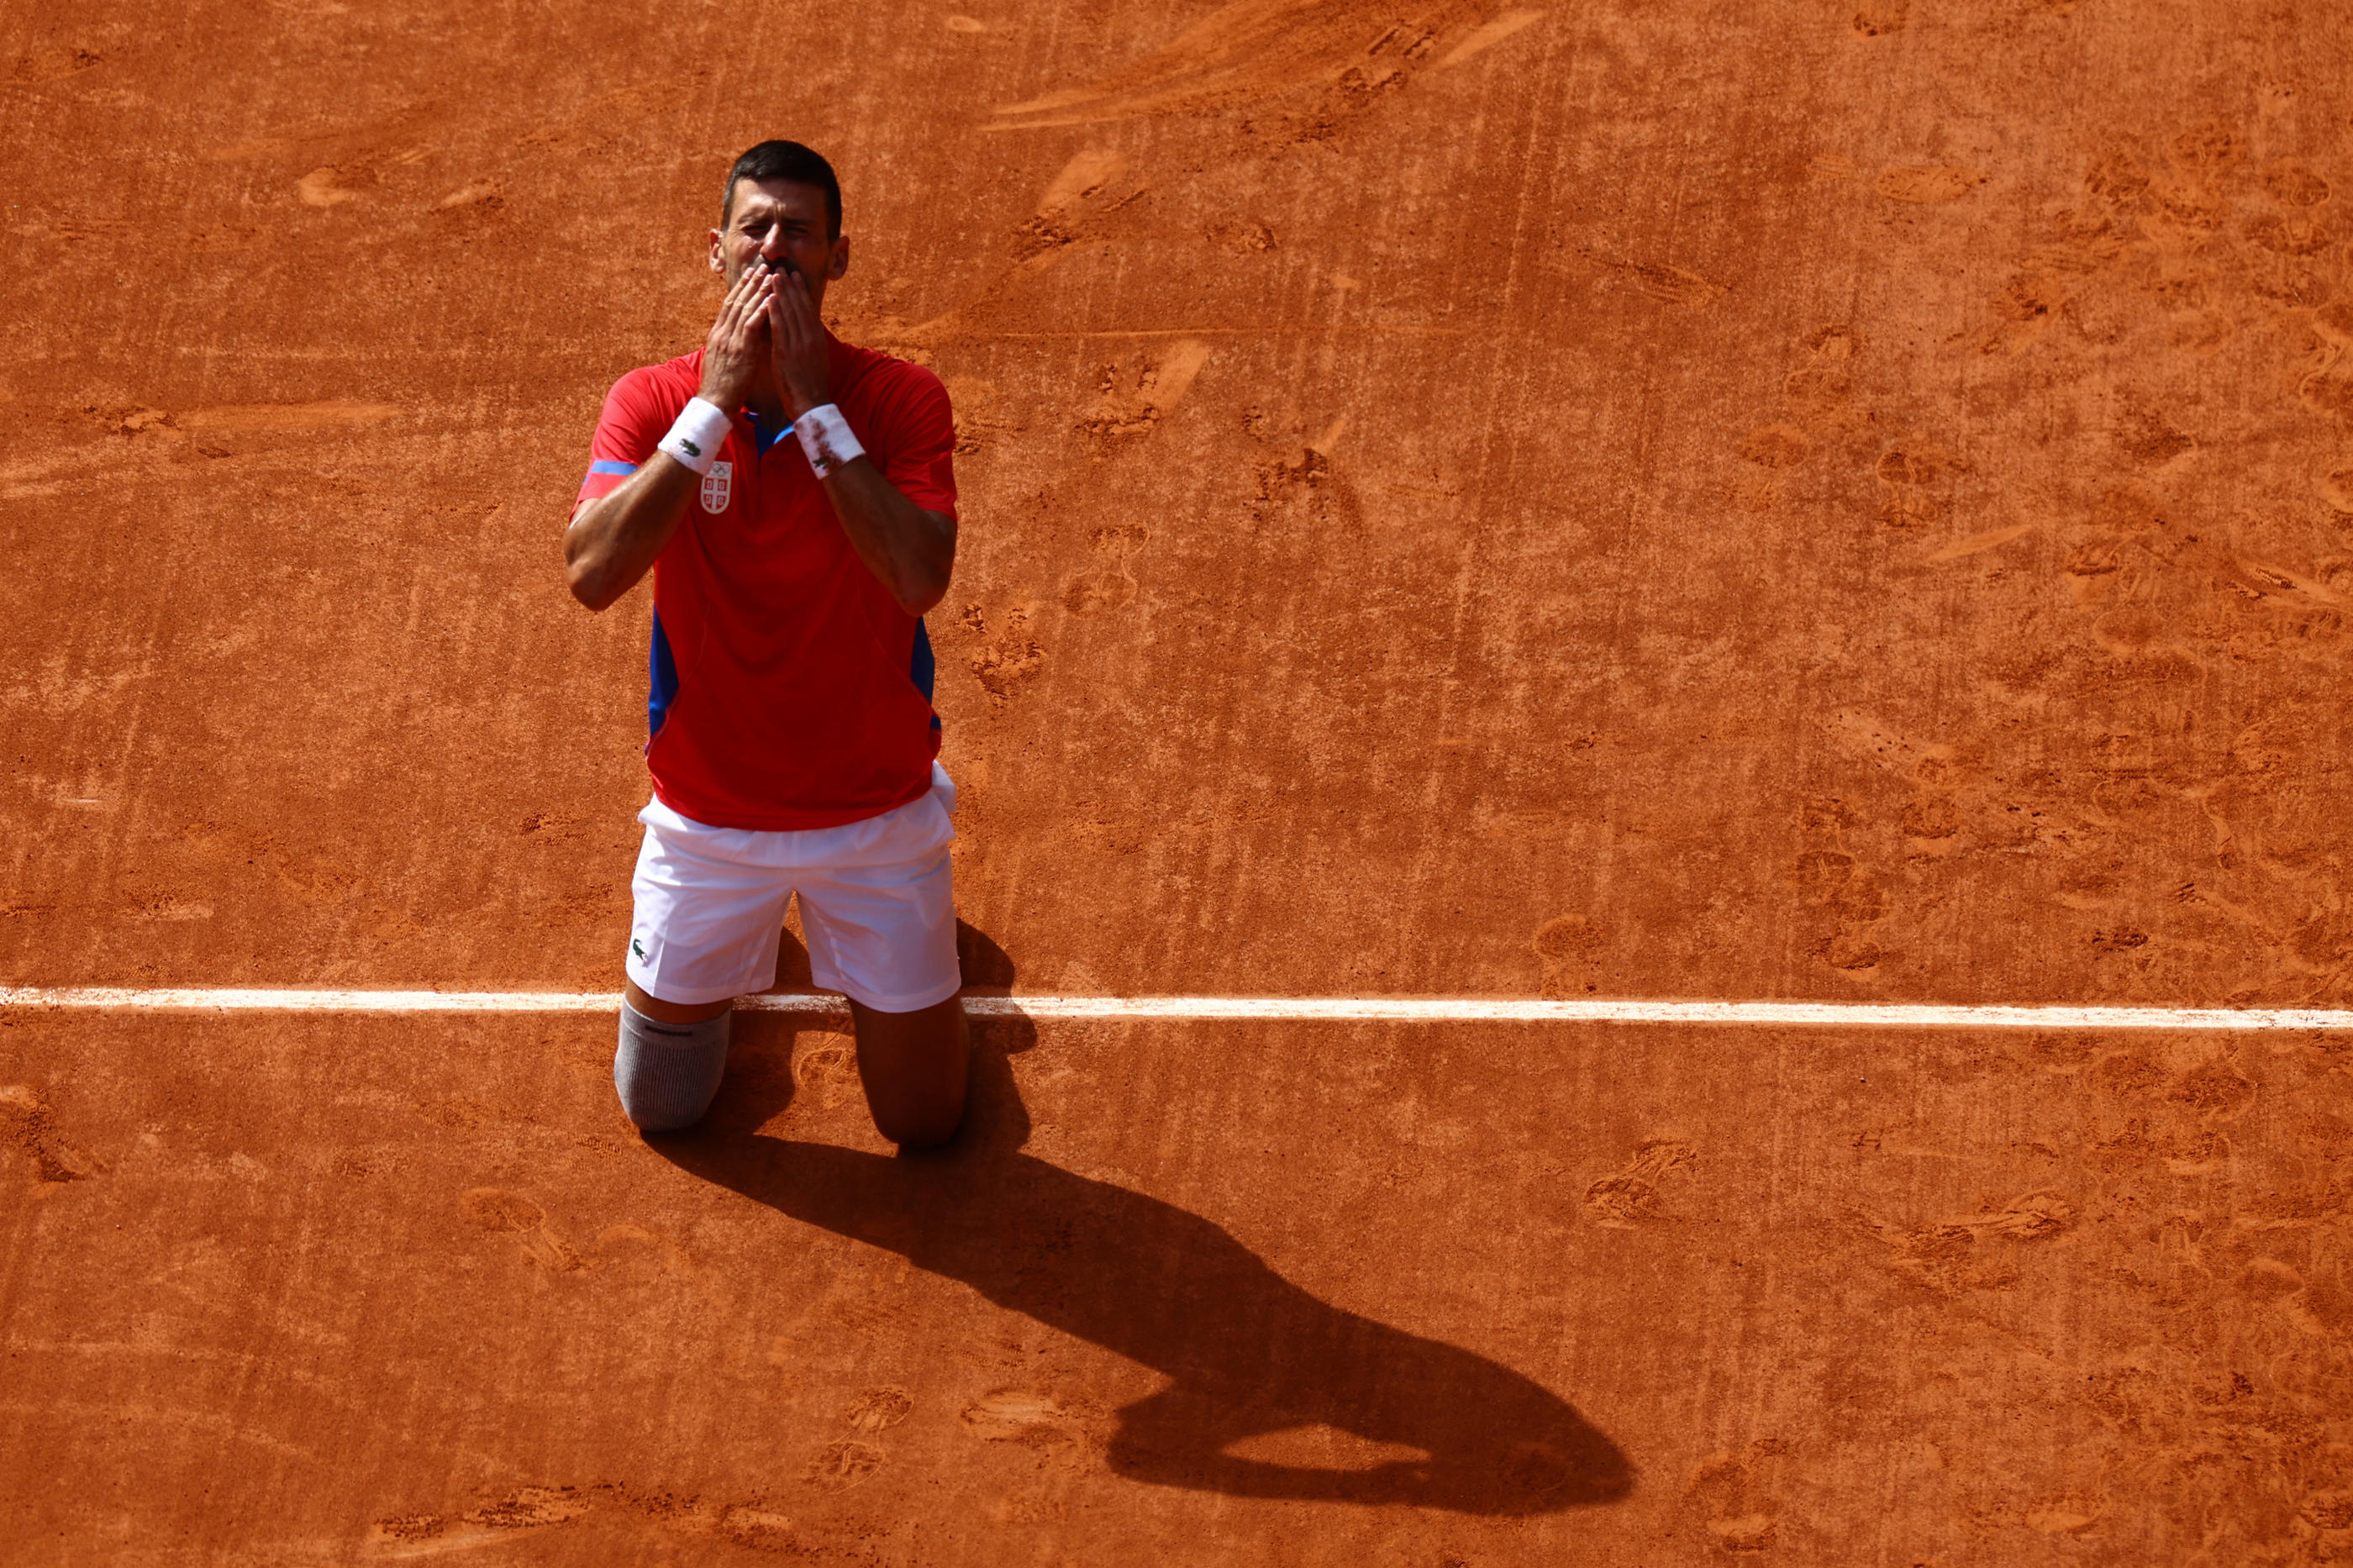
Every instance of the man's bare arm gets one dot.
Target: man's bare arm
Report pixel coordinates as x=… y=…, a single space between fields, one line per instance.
x=911 y=550
x=614 y=541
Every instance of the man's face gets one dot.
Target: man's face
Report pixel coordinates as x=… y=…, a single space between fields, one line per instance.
x=781 y=222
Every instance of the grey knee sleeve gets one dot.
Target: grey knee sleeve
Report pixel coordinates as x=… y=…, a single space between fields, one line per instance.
x=668 y=1073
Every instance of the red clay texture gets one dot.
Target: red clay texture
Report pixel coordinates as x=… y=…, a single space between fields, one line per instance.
x=349 y=1291
x=1769 y=500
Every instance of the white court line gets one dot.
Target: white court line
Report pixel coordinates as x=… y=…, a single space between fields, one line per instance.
x=1402 y=1010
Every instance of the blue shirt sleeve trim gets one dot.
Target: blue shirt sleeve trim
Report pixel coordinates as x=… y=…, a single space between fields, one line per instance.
x=607 y=466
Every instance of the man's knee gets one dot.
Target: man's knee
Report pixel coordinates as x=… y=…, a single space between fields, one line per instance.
x=667 y=1074
x=923 y=1120
x=920 y=1127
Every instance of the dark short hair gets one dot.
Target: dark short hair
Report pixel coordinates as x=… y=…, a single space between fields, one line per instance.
x=784 y=161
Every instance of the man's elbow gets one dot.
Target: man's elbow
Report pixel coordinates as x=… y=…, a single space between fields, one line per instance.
x=588 y=585
x=921 y=597
x=924 y=574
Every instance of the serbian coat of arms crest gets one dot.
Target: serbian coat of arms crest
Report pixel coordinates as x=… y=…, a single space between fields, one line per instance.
x=715 y=486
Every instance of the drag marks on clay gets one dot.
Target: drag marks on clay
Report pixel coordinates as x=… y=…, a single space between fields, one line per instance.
x=210 y=431
x=1328 y=60
x=1089 y=189
x=2289 y=235
x=1054 y=1435
x=56 y=64
x=1077 y=215
x=1038 y=1448
x=634 y=1253
x=1978 y=544
x=1628 y=1198
x=2277 y=587
x=2027 y=308
x=761 y=1528
x=168 y=908
x=1656 y=281
x=1006 y=1414
x=253 y=418
x=623 y=1252
x=323 y=187
x=1927 y=184
x=615 y=1513
x=1973 y=1252
x=484 y=194
x=1488 y=34
x=532 y=1508
x=28 y=1126
x=2180 y=1403
x=498 y=1210
x=2179 y=592
x=1917 y=463
x=392 y=163
x=1670 y=285
x=1088 y=172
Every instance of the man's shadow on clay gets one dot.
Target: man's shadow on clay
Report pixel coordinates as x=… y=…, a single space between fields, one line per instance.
x=1246 y=1351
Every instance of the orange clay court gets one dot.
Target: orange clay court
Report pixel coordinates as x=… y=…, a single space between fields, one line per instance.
x=1518 y=510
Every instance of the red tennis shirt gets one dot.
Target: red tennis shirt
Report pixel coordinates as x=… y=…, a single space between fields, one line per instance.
x=788 y=689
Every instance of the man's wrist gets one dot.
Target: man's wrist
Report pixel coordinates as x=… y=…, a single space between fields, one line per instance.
x=826 y=437
x=695 y=439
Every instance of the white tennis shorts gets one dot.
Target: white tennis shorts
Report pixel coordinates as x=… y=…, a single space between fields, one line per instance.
x=877 y=906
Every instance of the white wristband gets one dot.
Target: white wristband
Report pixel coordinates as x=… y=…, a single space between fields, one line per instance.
x=826 y=437
x=695 y=439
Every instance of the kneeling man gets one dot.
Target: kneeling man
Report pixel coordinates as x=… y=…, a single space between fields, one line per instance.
x=795 y=498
